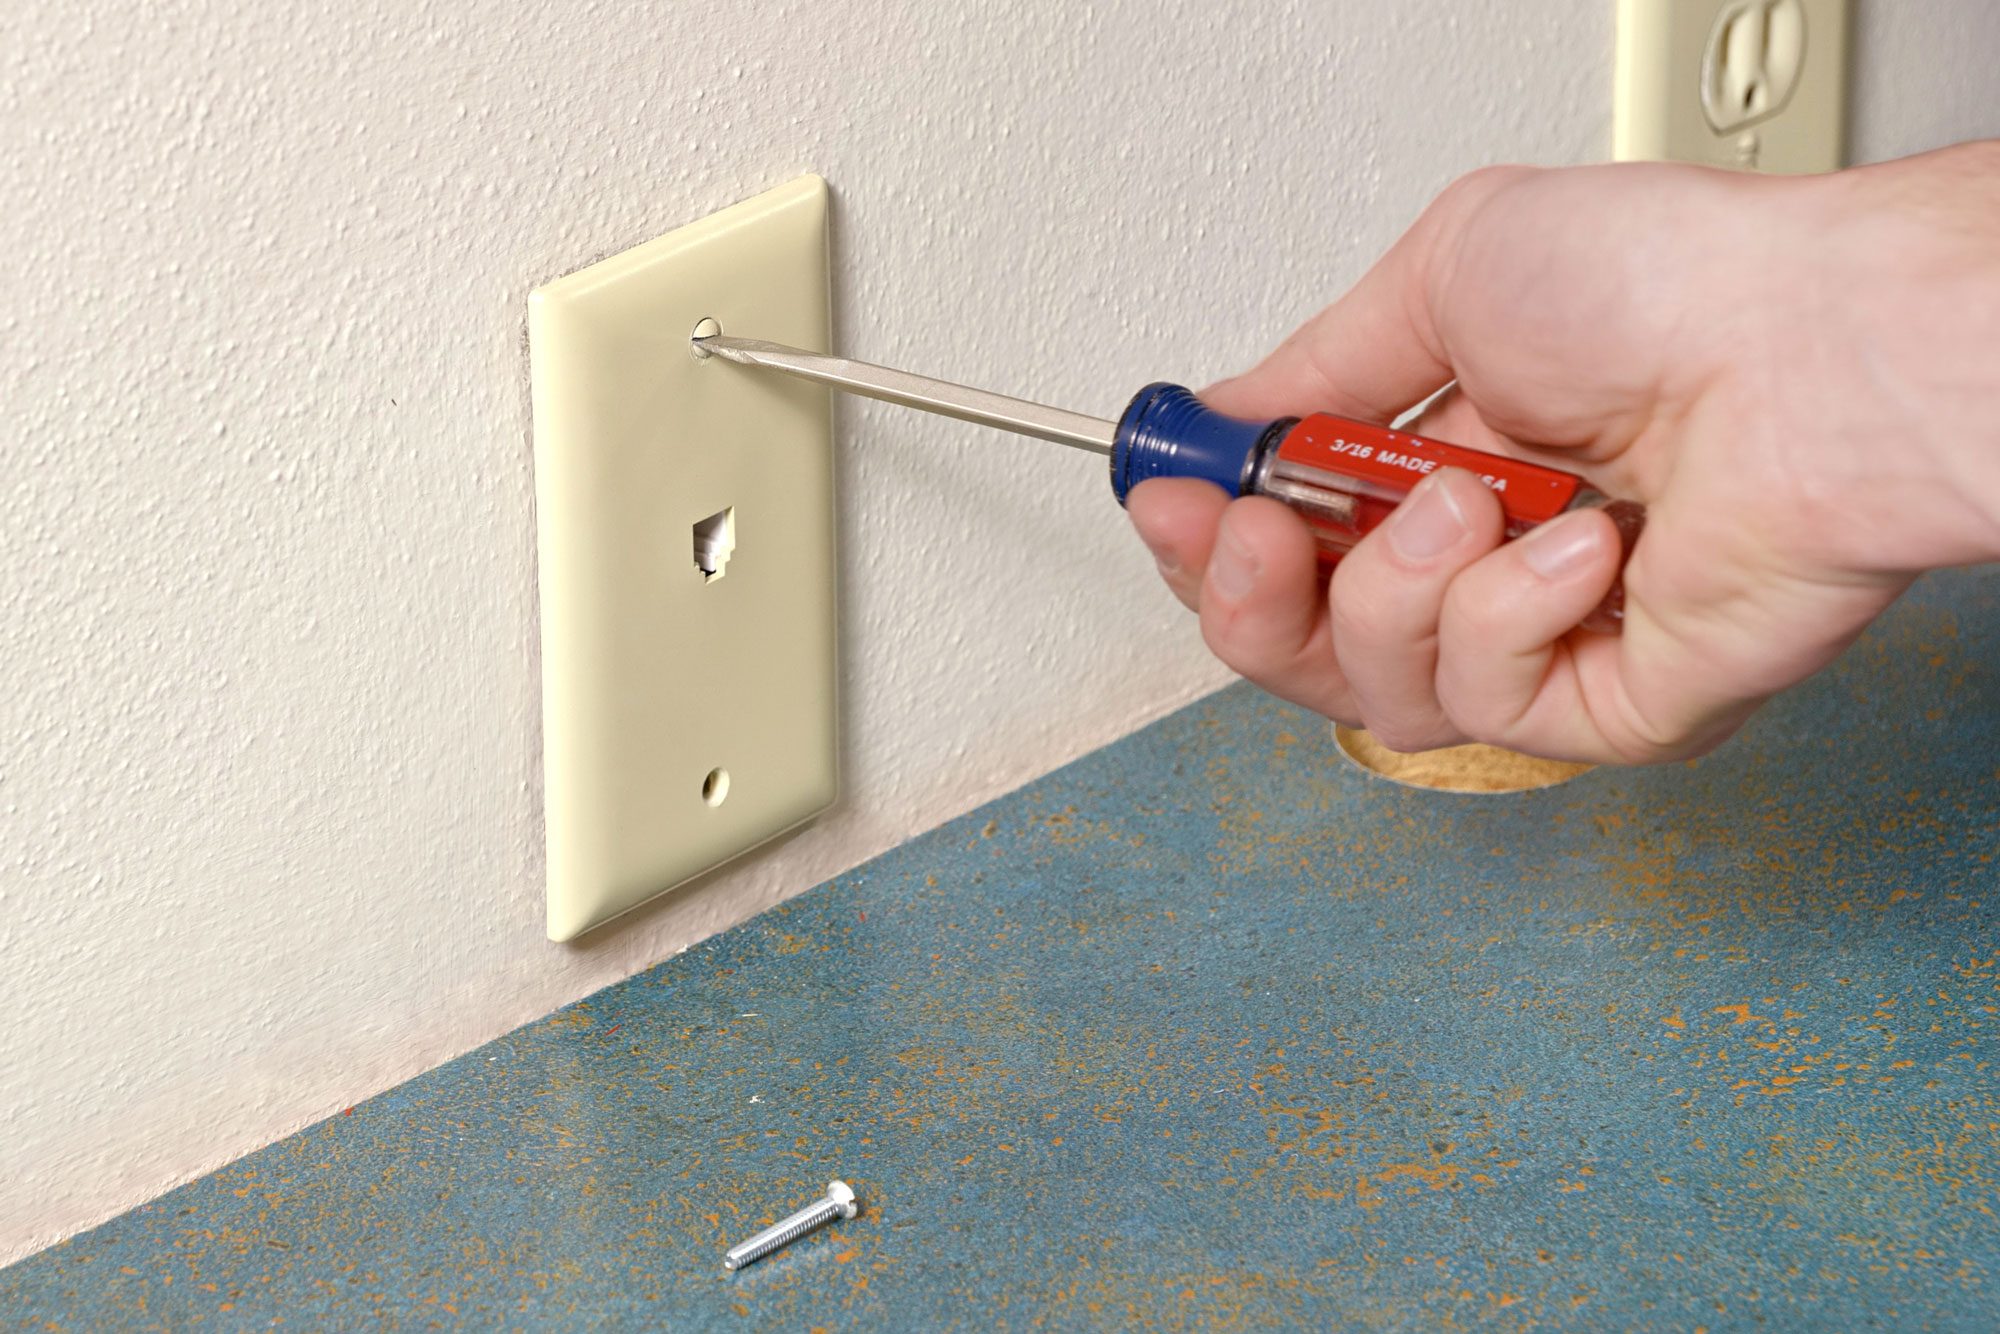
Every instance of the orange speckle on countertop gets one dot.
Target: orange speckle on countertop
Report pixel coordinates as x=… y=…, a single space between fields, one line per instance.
x=1742 y=1013
x=1368 y=1187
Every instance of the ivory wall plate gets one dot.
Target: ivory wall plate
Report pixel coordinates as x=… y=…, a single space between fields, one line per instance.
x=686 y=535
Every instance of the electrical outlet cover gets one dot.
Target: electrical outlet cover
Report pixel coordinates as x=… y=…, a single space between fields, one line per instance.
x=1757 y=85
x=685 y=509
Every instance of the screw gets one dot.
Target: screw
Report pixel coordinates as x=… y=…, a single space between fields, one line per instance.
x=839 y=1203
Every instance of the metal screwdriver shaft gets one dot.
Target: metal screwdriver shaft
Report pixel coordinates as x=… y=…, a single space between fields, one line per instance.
x=839 y=1203
x=919 y=391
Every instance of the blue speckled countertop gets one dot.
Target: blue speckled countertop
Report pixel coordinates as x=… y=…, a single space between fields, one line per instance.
x=1212 y=1030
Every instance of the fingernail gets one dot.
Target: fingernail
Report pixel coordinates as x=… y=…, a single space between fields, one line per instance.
x=1232 y=570
x=1558 y=550
x=1428 y=523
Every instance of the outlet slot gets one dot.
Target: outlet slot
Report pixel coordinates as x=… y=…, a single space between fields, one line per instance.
x=1756 y=85
x=1753 y=62
x=714 y=543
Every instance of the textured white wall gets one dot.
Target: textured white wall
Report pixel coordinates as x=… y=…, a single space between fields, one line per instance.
x=269 y=815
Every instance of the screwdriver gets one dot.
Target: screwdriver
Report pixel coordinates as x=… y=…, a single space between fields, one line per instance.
x=1342 y=477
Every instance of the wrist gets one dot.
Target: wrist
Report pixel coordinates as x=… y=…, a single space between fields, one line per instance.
x=1913 y=309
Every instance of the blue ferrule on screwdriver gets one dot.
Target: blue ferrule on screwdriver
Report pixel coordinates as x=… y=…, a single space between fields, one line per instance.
x=1167 y=432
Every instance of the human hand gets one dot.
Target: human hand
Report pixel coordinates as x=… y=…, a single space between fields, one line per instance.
x=1798 y=376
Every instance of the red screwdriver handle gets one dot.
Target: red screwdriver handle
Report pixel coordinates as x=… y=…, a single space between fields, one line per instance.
x=1345 y=477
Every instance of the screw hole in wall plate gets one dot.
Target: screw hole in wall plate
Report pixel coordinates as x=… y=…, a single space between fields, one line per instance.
x=705 y=327
x=715 y=787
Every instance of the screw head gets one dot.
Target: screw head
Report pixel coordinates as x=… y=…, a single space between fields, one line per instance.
x=842 y=1194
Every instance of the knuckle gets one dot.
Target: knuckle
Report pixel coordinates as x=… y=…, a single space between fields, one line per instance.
x=1475 y=187
x=1185 y=588
x=1222 y=632
x=1471 y=615
x=1362 y=605
x=1447 y=227
x=1478 y=716
x=1639 y=739
x=1265 y=655
x=1403 y=736
x=1637 y=742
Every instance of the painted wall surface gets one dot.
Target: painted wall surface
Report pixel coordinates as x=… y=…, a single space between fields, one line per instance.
x=269 y=806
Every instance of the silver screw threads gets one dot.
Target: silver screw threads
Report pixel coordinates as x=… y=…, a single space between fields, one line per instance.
x=839 y=1203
